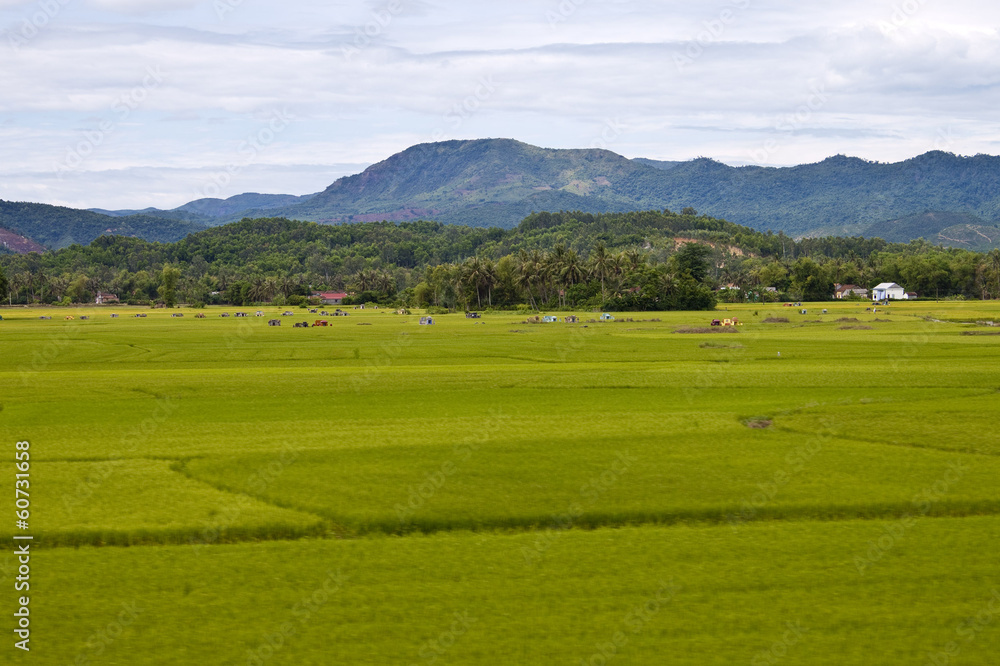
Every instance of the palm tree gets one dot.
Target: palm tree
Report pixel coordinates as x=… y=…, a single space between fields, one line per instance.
x=527 y=275
x=364 y=279
x=473 y=275
x=572 y=272
x=993 y=260
x=489 y=279
x=601 y=265
x=633 y=259
x=668 y=281
x=20 y=281
x=385 y=282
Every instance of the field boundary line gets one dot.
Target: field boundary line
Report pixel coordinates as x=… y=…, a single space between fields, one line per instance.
x=861 y=440
x=180 y=467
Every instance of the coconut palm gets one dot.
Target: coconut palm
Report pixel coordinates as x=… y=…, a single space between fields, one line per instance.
x=602 y=266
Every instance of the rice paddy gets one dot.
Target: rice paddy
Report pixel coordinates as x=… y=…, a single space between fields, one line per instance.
x=818 y=488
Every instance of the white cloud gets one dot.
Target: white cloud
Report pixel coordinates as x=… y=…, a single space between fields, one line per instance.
x=364 y=80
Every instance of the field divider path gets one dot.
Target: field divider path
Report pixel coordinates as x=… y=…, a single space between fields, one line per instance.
x=330 y=527
x=882 y=442
x=199 y=537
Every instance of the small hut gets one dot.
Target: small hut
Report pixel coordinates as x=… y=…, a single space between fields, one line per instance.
x=426 y=321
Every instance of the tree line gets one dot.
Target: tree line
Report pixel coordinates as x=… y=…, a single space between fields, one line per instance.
x=653 y=260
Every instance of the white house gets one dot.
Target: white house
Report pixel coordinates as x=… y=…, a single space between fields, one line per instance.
x=888 y=291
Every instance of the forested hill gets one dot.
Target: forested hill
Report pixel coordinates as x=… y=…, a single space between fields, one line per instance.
x=499 y=182
x=496 y=182
x=278 y=245
x=644 y=260
x=57 y=226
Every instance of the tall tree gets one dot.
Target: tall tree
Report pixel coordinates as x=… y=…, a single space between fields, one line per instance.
x=168 y=285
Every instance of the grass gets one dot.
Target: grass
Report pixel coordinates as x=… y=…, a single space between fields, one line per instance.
x=133 y=502
x=440 y=467
x=703 y=595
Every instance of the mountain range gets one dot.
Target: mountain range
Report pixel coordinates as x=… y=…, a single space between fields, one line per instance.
x=944 y=198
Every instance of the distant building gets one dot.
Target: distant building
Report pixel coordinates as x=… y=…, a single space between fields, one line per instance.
x=846 y=290
x=103 y=298
x=330 y=297
x=888 y=291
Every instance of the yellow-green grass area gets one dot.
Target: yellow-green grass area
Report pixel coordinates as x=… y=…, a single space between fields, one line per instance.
x=132 y=502
x=700 y=467
x=376 y=423
x=799 y=593
x=336 y=494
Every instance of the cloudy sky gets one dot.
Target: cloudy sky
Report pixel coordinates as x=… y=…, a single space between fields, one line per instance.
x=134 y=103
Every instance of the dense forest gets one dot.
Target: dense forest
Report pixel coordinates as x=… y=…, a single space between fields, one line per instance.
x=623 y=261
x=58 y=226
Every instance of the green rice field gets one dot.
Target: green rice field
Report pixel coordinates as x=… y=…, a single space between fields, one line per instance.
x=819 y=488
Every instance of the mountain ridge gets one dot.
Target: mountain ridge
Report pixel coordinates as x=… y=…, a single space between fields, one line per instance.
x=498 y=182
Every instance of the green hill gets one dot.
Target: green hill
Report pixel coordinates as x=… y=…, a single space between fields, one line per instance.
x=497 y=181
x=57 y=227
x=949 y=229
